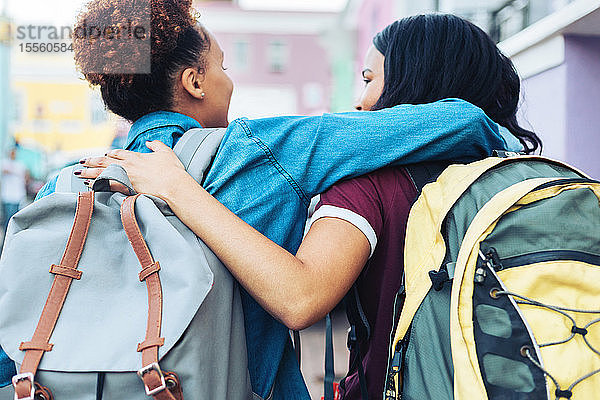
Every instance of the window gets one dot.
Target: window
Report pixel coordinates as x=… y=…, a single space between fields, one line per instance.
x=5 y=31
x=241 y=55
x=278 y=55
x=98 y=113
x=511 y=18
x=18 y=107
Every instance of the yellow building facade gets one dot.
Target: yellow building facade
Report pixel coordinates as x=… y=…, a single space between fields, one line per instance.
x=54 y=108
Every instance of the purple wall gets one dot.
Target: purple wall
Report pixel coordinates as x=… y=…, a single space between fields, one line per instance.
x=582 y=58
x=542 y=109
x=562 y=105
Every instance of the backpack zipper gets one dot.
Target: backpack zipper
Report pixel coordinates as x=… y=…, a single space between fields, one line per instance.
x=550 y=255
x=394 y=369
x=394 y=361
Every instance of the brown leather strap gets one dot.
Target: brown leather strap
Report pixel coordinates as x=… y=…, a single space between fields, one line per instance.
x=154 y=379
x=174 y=385
x=35 y=346
x=146 y=272
x=39 y=392
x=150 y=343
x=66 y=271
x=42 y=392
x=57 y=296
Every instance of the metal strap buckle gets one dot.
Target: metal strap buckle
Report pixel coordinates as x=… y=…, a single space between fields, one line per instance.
x=153 y=367
x=28 y=376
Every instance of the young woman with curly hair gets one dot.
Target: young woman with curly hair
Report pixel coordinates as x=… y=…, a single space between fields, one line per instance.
x=266 y=170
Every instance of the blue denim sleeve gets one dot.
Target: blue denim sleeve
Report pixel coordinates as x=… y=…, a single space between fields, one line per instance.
x=49 y=188
x=316 y=152
x=7 y=369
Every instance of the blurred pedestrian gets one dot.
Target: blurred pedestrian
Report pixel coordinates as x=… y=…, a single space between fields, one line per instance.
x=14 y=186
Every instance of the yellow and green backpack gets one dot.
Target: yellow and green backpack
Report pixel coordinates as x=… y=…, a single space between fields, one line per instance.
x=501 y=294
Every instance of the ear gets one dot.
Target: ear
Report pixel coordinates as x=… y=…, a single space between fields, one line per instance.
x=192 y=79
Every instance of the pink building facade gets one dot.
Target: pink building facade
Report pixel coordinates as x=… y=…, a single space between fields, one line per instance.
x=278 y=61
x=373 y=16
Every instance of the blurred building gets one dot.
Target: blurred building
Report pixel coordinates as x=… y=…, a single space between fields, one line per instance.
x=558 y=58
x=362 y=20
x=4 y=77
x=278 y=59
x=46 y=106
x=54 y=108
x=555 y=46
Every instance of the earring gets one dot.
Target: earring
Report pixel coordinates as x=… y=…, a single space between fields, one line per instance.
x=202 y=94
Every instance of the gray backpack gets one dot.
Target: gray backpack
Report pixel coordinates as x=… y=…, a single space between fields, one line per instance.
x=150 y=310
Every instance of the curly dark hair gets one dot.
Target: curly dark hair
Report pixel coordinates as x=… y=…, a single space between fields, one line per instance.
x=177 y=42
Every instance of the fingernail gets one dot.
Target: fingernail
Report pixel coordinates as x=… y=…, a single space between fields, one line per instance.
x=87 y=183
x=105 y=154
x=82 y=161
x=77 y=172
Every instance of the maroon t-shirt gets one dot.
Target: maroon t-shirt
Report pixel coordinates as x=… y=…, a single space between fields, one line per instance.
x=378 y=204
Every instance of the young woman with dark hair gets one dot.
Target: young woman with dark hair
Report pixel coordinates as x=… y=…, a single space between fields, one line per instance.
x=266 y=170
x=416 y=60
x=432 y=57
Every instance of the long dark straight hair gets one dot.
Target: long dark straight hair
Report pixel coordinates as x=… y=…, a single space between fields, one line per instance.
x=437 y=56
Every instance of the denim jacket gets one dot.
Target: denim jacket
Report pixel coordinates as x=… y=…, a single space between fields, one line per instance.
x=267 y=170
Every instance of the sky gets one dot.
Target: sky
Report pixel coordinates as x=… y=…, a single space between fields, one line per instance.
x=59 y=12
x=63 y=12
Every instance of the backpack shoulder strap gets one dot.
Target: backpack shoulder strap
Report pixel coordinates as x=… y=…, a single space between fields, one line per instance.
x=423 y=173
x=360 y=331
x=197 y=149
